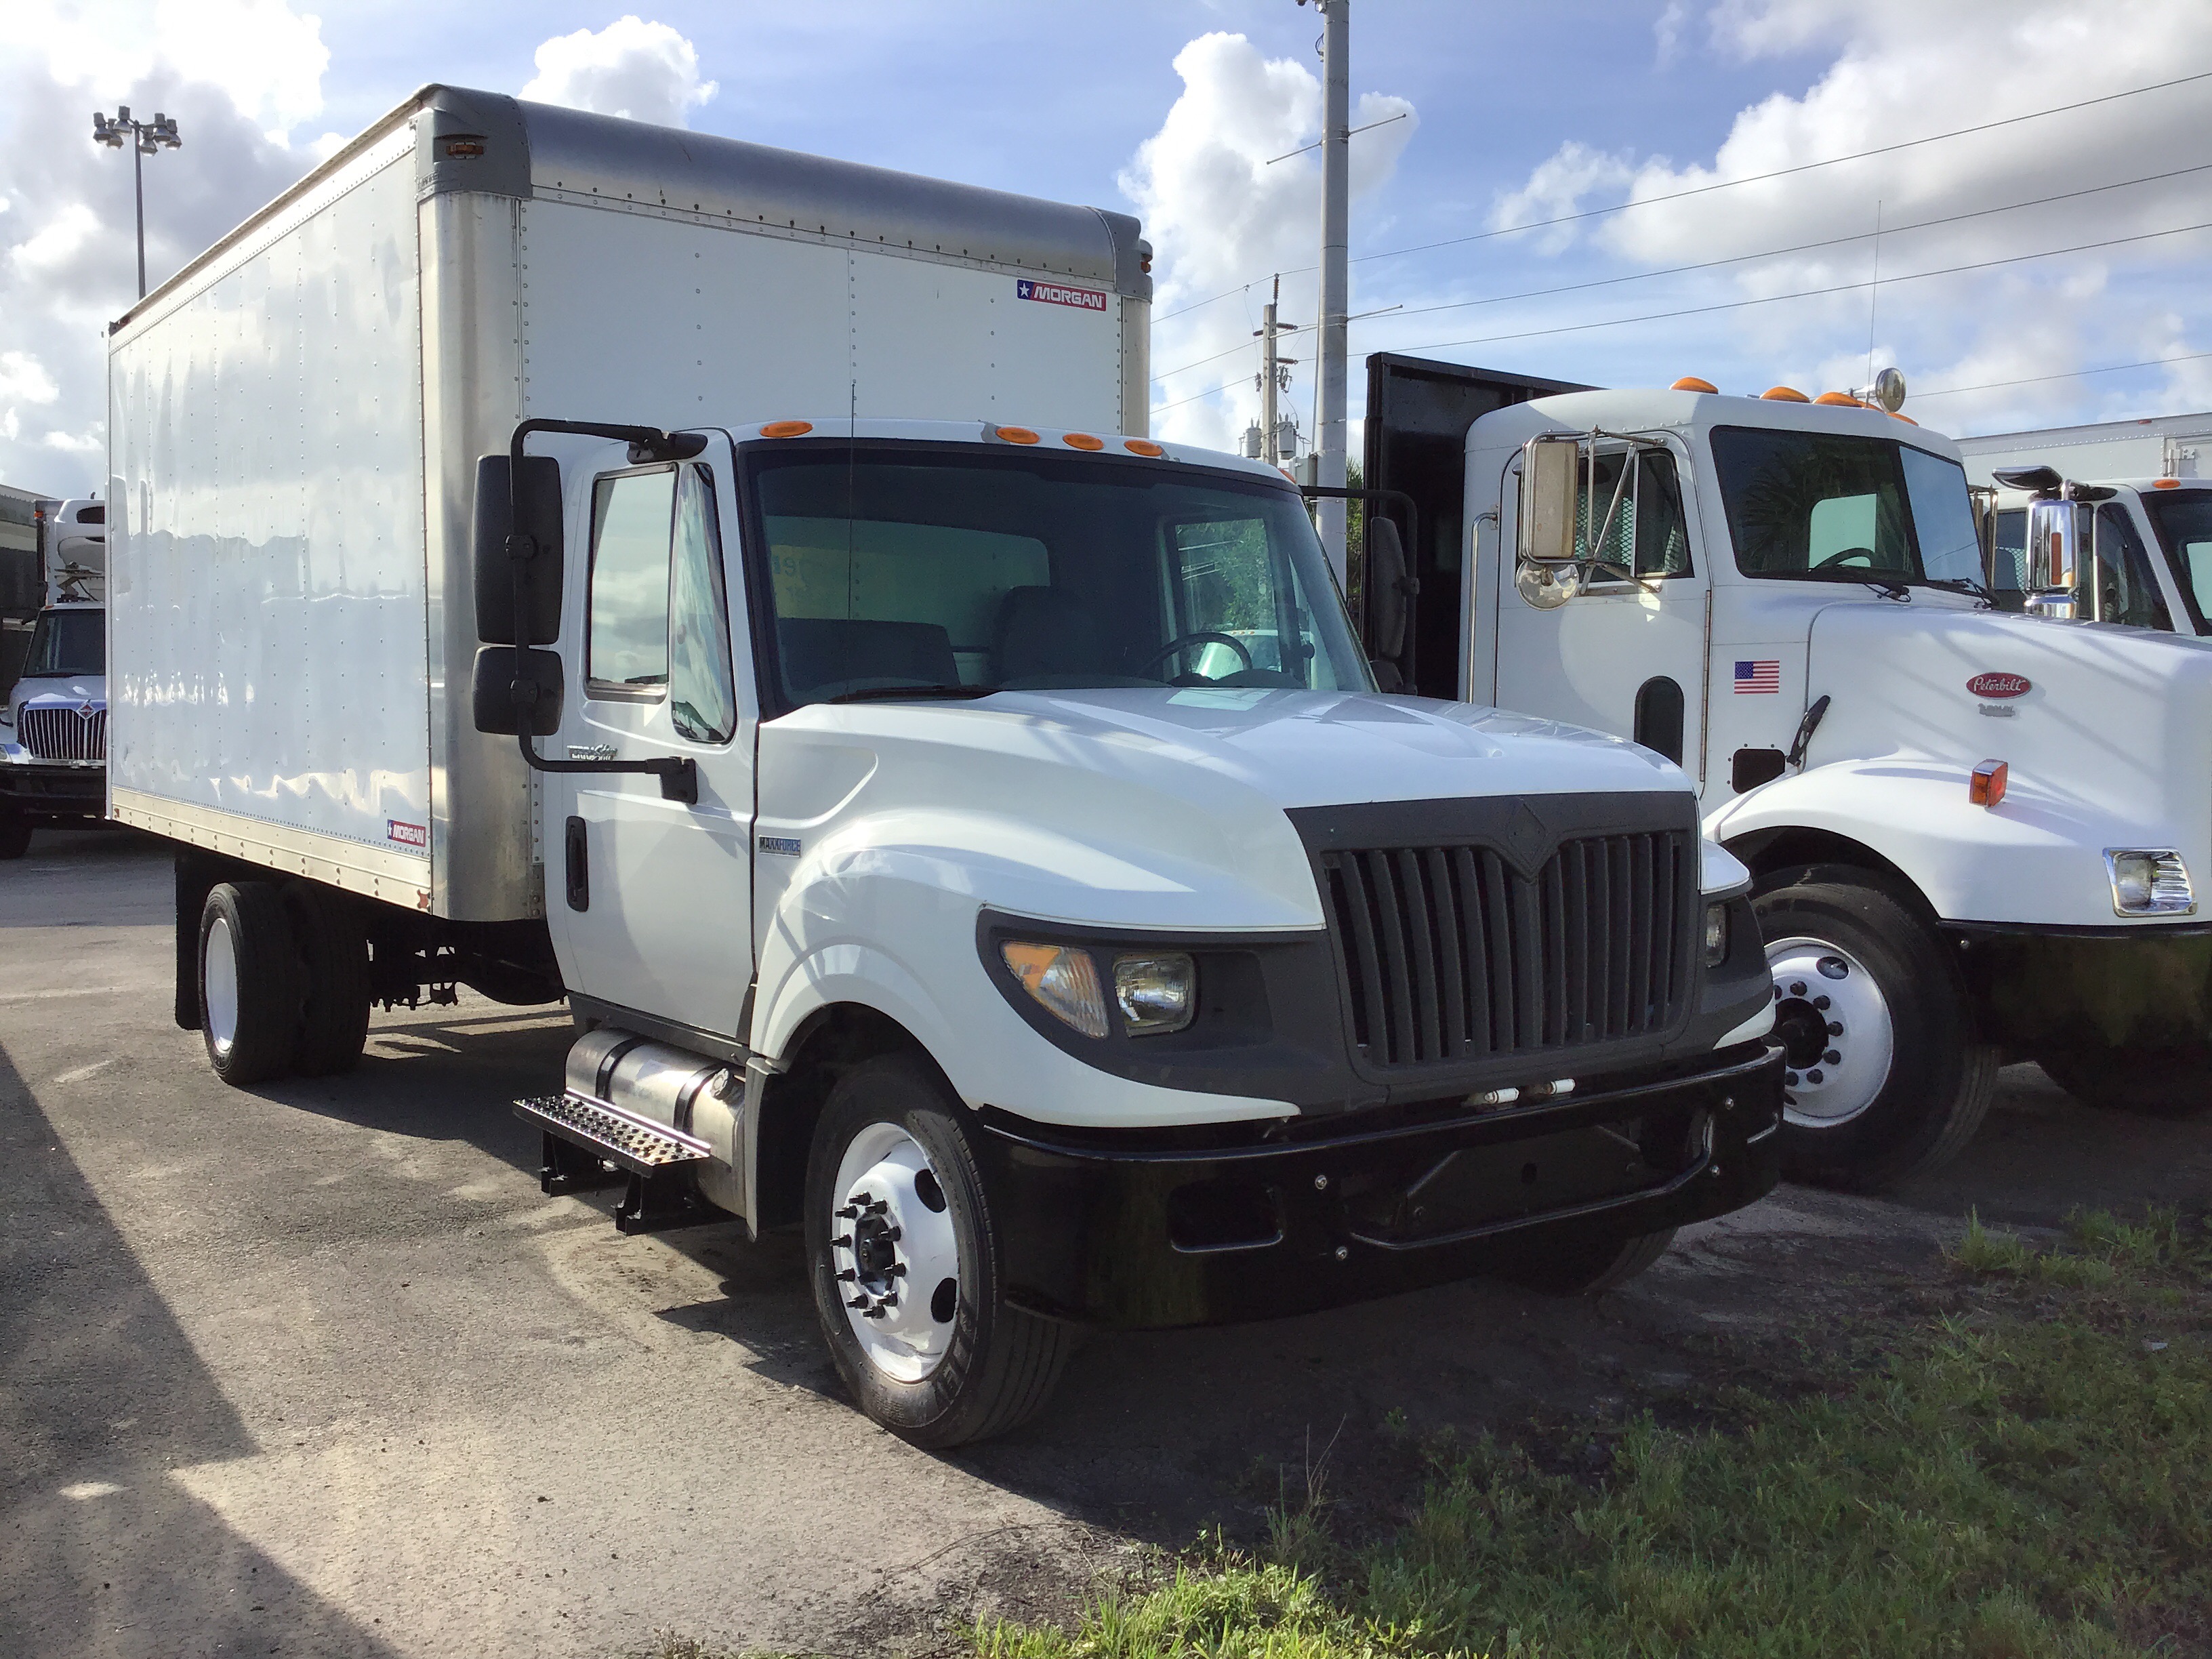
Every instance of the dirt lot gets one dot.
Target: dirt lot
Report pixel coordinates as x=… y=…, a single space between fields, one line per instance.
x=315 y=1369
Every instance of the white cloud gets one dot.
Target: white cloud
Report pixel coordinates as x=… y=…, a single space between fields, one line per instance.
x=1904 y=69
x=1667 y=30
x=646 y=71
x=1221 y=212
x=229 y=72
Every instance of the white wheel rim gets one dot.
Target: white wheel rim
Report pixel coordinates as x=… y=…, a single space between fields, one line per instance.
x=893 y=1253
x=219 y=983
x=1825 y=995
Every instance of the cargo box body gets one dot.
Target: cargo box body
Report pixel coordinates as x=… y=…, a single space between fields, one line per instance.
x=294 y=420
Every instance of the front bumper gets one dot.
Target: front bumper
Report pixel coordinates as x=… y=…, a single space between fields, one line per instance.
x=1136 y=1231
x=54 y=788
x=2143 y=985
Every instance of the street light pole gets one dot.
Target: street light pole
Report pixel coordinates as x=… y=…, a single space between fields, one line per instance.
x=146 y=138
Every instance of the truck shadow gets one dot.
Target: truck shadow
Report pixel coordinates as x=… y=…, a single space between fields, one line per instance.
x=101 y=1396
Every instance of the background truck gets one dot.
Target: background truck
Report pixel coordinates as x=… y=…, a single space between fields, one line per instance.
x=23 y=586
x=732 y=590
x=1974 y=835
x=53 y=719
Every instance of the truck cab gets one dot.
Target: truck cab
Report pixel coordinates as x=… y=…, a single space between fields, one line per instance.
x=1786 y=596
x=2133 y=551
x=53 y=725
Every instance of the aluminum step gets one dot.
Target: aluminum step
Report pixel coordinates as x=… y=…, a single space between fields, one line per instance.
x=633 y=1143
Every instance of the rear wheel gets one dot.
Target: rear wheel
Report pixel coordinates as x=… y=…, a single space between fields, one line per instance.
x=2162 y=1082
x=904 y=1261
x=249 y=983
x=1885 y=1079
x=333 y=955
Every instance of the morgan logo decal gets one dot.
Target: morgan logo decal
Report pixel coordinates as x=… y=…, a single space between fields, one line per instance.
x=407 y=834
x=783 y=846
x=1083 y=299
x=2000 y=685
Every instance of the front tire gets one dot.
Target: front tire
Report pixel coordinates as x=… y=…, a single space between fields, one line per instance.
x=1590 y=1267
x=249 y=983
x=2161 y=1082
x=1886 y=1078
x=904 y=1260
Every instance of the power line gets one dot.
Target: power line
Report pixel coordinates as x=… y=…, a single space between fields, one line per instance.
x=1737 y=305
x=1730 y=184
x=2071 y=374
x=1801 y=247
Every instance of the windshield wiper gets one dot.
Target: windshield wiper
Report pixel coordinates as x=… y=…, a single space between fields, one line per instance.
x=879 y=693
x=1965 y=584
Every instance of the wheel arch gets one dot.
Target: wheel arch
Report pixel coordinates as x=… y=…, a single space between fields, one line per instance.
x=1782 y=854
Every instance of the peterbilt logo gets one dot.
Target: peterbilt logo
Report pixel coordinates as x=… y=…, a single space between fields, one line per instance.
x=2000 y=685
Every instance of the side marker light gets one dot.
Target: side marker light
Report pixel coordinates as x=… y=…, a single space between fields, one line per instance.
x=1986 y=787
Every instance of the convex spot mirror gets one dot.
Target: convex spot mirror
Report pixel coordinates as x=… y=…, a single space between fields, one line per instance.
x=508 y=683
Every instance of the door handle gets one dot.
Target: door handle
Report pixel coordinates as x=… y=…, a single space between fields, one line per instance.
x=579 y=868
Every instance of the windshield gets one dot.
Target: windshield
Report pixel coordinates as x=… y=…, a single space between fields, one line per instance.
x=894 y=568
x=2183 y=519
x=1835 y=507
x=65 y=643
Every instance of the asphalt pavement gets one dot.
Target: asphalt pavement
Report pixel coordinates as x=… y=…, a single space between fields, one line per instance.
x=314 y=1368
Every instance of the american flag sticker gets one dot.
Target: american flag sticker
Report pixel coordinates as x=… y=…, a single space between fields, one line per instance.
x=1757 y=677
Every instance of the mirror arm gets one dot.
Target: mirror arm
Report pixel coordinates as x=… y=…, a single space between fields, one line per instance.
x=679 y=777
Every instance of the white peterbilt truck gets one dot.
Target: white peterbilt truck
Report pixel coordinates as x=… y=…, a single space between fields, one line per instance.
x=733 y=591
x=1974 y=836
x=53 y=722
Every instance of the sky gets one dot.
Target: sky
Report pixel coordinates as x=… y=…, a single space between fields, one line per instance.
x=1581 y=191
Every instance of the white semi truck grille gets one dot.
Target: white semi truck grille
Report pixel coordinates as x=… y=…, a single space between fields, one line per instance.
x=63 y=734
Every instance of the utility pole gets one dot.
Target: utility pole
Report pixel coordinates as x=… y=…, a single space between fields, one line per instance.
x=1275 y=378
x=1335 y=160
x=146 y=138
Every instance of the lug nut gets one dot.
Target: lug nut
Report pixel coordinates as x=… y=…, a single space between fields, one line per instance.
x=1835 y=1027
x=1814 y=1076
x=1833 y=1058
x=847 y=1274
x=1822 y=1003
x=1797 y=989
x=1790 y=1077
x=1342 y=1254
x=1321 y=1183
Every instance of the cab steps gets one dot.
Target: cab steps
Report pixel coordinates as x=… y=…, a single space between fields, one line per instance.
x=591 y=1144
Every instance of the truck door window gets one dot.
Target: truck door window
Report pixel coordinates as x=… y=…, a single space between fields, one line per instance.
x=2009 y=580
x=2126 y=591
x=1832 y=507
x=1648 y=535
x=703 y=697
x=2183 y=519
x=627 y=644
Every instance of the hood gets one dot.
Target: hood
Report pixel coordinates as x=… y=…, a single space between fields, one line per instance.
x=1330 y=749
x=68 y=691
x=1140 y=807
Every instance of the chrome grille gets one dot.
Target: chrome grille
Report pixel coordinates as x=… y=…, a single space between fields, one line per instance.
x=63 y=734
x=1453 y=954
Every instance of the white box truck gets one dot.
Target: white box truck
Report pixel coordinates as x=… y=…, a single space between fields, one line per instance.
x=1975 y=835
x=733 y=590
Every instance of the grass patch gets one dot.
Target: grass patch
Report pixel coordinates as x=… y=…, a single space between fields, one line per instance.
x=2031 y=1477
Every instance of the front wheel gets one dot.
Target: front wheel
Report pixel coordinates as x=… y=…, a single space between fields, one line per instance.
x=2162 y=1082
x=1590 y=1267
x=904 y=1260
x=1886 y=1080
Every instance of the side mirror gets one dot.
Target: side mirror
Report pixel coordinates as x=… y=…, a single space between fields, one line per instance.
x=500 y=672
x=1550 y=482
x=2054 y=545
x=493 y=526
x=1387 y=589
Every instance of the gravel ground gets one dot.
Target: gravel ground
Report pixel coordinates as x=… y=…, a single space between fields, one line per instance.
x=313 y=1368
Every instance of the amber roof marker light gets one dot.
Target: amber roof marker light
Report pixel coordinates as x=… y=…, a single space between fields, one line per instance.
x=1082 y=441
x=1015 y=434
x=1784 y=394
x=1143 y=446
x=1692 y=383
x=786 y=429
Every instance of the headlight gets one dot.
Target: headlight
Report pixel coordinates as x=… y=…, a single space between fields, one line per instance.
x=1717 y=935
x=2148 y=883
x=1063 y=980
x=1154 y=994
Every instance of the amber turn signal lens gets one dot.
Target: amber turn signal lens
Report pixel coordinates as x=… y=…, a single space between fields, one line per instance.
x=786 y=429
x=1016 y=434
x=1785 y=394
x=1692 y=383
x=1986 y=787
x=1143 y=446
x=1082 y=441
